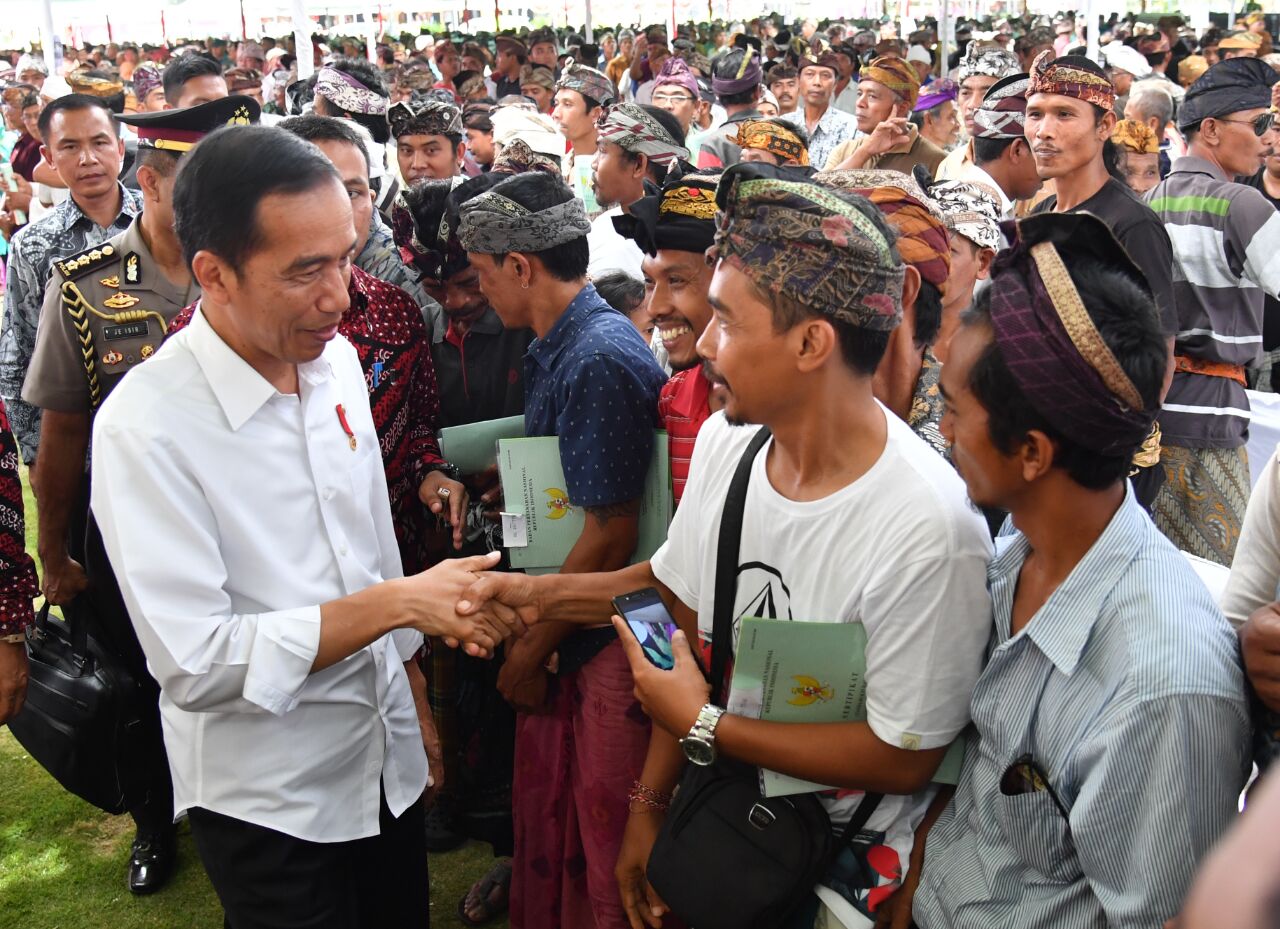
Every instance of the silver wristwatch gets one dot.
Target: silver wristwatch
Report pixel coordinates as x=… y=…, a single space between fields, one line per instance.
x=700 y=744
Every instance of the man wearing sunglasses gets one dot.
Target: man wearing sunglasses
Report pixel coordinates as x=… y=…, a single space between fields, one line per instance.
x=1225 y=240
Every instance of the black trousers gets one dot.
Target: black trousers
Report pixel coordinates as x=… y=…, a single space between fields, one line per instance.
x=268 y=880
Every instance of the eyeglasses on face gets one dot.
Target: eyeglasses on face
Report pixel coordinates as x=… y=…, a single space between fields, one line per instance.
x=1260 y=123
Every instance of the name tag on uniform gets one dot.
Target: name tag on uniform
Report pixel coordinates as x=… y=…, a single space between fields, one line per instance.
x=126 y=331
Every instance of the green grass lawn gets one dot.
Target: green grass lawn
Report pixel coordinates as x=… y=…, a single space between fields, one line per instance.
x=62 y=861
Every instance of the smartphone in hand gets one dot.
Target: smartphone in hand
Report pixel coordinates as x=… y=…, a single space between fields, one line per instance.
x=650 y=622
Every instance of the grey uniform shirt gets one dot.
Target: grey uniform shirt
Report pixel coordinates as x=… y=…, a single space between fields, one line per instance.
x=100 y=319
x=64 y=231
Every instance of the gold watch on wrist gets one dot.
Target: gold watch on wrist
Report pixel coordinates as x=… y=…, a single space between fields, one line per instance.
x=15 y=639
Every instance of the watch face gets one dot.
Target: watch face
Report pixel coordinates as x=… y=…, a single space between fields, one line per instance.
x=699 y=752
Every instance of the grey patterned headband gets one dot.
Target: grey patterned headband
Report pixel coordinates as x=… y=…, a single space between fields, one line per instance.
x=492 y=224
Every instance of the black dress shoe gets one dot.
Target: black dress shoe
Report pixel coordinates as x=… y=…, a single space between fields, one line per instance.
x=150 y=863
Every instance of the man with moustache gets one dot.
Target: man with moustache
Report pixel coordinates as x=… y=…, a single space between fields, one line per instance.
x=849 y=517
x=1226 y=237
x=1052 y=382
x=635 y=144
x=827 y=127
x=887 y=90
x=674 y=228
x=1069 y=117
x=784 y=83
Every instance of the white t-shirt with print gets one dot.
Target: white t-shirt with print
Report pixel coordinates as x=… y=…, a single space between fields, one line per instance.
x=900 y=550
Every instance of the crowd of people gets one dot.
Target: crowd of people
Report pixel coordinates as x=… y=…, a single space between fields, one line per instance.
x=957 y=346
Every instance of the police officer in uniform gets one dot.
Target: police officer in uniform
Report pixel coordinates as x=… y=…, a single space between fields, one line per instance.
x=105 y=312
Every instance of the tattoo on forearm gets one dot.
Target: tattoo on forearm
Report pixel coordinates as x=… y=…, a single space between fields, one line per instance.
x=610 y=511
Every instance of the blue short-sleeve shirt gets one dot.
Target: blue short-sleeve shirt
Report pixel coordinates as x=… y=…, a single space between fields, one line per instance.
x=593 y=382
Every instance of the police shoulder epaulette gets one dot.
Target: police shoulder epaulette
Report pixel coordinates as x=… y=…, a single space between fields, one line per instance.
x=78 y=265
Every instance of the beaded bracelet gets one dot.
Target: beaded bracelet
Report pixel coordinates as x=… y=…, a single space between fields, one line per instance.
x=644 y=798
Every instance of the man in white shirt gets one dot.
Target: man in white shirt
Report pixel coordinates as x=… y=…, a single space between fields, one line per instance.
x=242 y=501
x=635 y=143
x=849 y=517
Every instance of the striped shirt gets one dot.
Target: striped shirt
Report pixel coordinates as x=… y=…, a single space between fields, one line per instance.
x=1125 y=689
x=1225 y=240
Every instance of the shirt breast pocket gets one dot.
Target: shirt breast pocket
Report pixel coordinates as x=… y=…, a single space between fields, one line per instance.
x=1039 y=835
x=359 y=508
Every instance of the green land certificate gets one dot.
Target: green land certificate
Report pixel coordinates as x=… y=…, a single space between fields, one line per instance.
x=547 y=522
x=806 y=672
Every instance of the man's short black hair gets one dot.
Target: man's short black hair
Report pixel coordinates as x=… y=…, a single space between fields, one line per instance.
x=739 y=99
x=658 y=172
x=71 y=103
x=780 y=73
x=326 y=129
x=1125 y=315
x=928 y=313
x=184 y=68
x=621 y=291
x=537 y=191
x=367 y=75
x=861 y=348
x=986 y=151
x=223 y=179
x=159 y=160
x=477 y=119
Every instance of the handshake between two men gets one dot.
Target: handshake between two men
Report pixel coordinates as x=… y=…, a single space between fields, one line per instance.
x=467 y=605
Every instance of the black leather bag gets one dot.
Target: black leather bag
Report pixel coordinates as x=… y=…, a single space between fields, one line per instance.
x=83 y=719
x=726 y=857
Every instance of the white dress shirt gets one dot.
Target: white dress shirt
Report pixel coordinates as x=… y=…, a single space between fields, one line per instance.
x=230 y=512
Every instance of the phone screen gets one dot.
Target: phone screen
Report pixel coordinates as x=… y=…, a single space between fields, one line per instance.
x=653 y=627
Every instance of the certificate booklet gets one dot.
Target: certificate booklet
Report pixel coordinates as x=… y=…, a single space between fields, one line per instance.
x=539 y=513
x=474 y=447
x=805 y=672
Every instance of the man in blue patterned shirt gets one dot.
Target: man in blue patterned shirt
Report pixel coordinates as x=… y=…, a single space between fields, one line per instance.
x=591 y=380
x=827 y=127
x=81 y=142
x=1112 y=728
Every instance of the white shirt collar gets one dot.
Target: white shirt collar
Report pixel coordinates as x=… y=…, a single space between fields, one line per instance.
x=240 y=390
